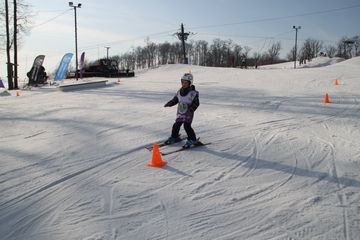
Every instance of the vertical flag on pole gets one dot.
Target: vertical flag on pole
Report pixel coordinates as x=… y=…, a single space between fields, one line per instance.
x=64 y=65
x=34 y=72
x=1 y=84
x=82 y=59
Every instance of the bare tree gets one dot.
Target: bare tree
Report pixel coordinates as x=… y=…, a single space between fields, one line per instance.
x=189 y=46
x=310 y=48
x=330 y=51
x=24 y=19
x=273 y=52
x=215 y=49
x=356 y=40
x=348 y=47
x=176 y=52
x=2 y=26
x=246 y=51
x=150 y=50
x=228 y=52
x=237 y=53
x=291 y=55
x=203 y=52
x=344 y=48
x=256 y=57
x=164 y=52
x=219 y=53
x=21 y=19
x=197 y=53
x=143 y=57
x=126 y=61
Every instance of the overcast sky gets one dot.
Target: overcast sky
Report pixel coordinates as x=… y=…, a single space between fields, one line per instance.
x=122 y=25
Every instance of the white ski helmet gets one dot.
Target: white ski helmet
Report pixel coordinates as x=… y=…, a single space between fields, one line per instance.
x=189 y=77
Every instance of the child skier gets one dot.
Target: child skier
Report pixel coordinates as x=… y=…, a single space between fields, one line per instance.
x=187 y=99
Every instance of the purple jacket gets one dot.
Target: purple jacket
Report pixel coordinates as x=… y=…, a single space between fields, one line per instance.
x=188 y=102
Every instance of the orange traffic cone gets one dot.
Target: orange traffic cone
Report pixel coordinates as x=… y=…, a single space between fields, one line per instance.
x=118 y=79
x=17 y=94
x=326 y=100
x=336 y=82
x=189 y=71
x=156 y=160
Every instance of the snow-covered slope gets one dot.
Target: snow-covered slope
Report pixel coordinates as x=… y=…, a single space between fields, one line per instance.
x=282 y=165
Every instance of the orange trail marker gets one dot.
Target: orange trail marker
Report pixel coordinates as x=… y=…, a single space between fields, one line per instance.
x=326 y=100
x=156 y=160
x=118 y=79
x=17 y=94
x=336 y=82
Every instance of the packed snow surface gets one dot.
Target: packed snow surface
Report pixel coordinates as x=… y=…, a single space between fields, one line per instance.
x=282 y=164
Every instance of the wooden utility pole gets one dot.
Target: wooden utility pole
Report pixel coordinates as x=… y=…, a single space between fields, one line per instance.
x=15 y=48
x=9 y=64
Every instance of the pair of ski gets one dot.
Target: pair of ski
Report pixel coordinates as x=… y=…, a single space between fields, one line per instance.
x=166 y=143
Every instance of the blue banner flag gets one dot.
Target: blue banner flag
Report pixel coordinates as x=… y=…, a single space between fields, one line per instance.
x=63 y=67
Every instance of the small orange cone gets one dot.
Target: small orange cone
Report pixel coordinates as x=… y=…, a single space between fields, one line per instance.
x=17 y=94
x=336 y=82
x=189 y=71
x=118 y=79
x=326 y=100
x=156 y=160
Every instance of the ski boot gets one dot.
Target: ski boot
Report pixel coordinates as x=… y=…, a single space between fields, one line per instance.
x=190 y=143
x=171 y=139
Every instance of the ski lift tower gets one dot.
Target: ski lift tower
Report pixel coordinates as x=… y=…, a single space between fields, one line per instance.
x=348 y=43
x=183 y=36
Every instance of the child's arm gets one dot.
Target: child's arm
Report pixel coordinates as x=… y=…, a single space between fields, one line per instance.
x=195 y=104
x=172 y=102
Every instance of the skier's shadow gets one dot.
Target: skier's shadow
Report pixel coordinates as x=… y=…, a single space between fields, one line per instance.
x=248 y=162
x=167 y=167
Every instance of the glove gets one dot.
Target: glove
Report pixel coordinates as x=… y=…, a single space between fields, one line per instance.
x=166 y=105
x=188 y=113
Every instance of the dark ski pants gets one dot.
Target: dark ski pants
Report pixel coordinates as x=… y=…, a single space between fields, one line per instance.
x=188 y=129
